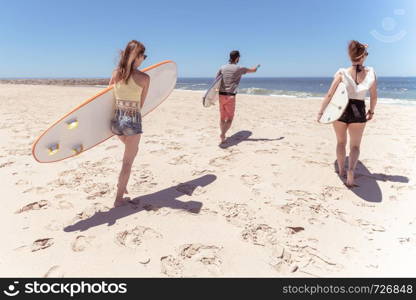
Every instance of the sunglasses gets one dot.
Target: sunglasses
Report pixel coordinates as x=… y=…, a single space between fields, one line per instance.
x=143 y=55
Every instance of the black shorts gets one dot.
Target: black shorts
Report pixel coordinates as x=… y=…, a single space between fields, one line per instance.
x=354 y=112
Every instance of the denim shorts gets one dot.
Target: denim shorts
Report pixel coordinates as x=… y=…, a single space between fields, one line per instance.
x=126 y=123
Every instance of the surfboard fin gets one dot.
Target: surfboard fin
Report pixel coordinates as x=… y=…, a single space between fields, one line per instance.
x=78 y=149
x=53 y=149
x=72 y=124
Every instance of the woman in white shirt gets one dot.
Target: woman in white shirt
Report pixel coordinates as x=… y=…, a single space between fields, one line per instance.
x=358 y=80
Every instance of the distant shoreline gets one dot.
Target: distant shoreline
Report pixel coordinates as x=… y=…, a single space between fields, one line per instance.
x=57 y=81
x=104 y=81
x=201 y=86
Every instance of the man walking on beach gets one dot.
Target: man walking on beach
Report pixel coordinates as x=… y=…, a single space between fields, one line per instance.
x=231 y=75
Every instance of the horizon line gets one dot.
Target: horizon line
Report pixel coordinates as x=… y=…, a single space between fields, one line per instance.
x=199 y=77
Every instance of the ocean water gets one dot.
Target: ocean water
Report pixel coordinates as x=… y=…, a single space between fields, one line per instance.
x=395 y=90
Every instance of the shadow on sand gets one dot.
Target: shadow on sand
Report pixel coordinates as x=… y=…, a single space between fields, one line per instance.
x=241 y=136
x=367 y=187
x=164 y=198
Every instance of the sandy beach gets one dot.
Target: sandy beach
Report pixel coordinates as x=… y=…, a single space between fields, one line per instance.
x=268 y=204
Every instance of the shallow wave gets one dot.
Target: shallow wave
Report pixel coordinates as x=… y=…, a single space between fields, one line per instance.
x=305 y=95
x=411 y=102
x=279 y=93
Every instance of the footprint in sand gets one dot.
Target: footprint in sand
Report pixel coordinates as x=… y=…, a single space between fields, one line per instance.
x=151 y=142
x=42 y=204
x=111 y=147
x=299 y=193
x=281 y=260
x=81 y=243
x=160 y=151
x=369 y=227
x=90 y=211
x=22 y=182
x=96 y=190
x=42 y=244
x=392 y=198
x=332 y=193
x=220 y=161
x=193 y=260
x=348 y=250
x=201 y=172
x=306 y=256
x=200 y=260
x=404 y=240
x=259 y=234
x=20 y=151
x=135 y=237
x=171 y=266
x=179 y=160
x=314 y=221
x=54 y=225
x=82 y=176
x=63 y=204
x=236 y=214
x=208 y=211
x=21 y=248
x=319 y=163
x=174 y=146
x=142 y=181
x=250 y=180
x=54 y=272
x=294 y=230
x=265 y=151
x=37 y=190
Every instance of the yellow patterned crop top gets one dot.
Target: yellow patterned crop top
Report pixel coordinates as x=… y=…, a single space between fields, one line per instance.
x=130 y=91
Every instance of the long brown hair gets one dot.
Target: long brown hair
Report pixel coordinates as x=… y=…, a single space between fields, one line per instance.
x=127 y=57
x=356 y=50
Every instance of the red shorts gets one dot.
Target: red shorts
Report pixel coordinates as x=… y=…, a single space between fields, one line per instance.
x=227 y=107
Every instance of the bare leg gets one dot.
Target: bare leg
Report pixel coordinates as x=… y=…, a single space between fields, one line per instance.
x=355 y=131
x=341 y=133
x=224 y=125
x=130 y=152
x=122 y=138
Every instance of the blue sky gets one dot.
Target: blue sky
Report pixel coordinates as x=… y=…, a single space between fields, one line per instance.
x=75 y=38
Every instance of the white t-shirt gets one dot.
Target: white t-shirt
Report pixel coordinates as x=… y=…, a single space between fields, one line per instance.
x=357 y=91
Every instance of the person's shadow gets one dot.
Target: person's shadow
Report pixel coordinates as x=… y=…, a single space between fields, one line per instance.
x=241 y=136
x=164 y=198
x=367 y=187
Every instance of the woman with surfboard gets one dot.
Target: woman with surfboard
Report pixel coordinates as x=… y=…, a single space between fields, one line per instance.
x=130 y=90
x=358 y=80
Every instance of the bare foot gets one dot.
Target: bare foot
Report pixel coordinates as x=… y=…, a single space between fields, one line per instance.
x=350 y=179
x=121 y=201
x=342 y=173
x=222 y=137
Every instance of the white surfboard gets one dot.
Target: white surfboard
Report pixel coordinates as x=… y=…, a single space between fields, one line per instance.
x=89 y=124
x=336 y=106
x=212 y=94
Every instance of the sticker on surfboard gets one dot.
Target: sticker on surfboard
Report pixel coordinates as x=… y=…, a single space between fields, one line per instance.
x=212 y=94
x=89 y=124
x=336 y=105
